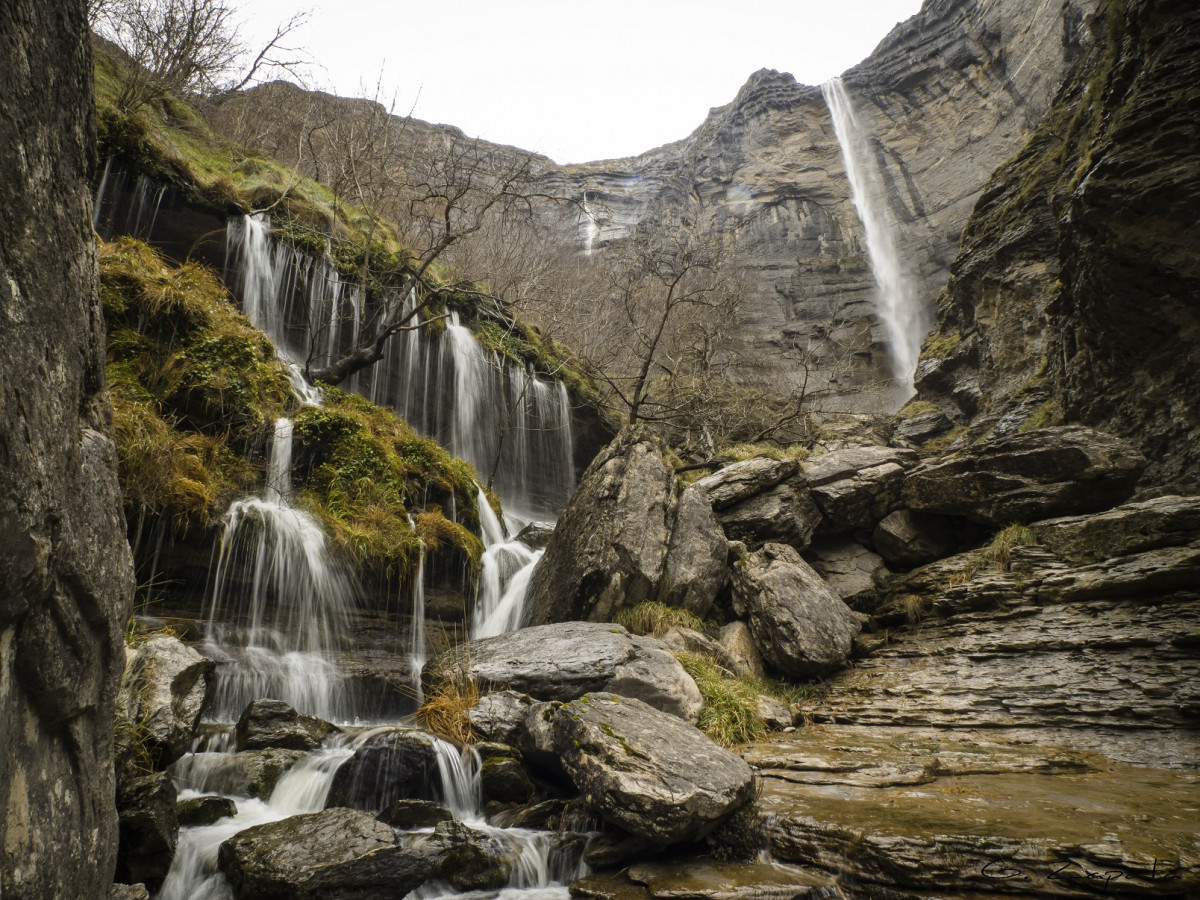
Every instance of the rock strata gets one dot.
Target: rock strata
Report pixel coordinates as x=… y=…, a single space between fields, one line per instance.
x=646 y=772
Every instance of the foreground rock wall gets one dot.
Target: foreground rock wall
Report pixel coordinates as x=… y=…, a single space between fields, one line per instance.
x=65 y=575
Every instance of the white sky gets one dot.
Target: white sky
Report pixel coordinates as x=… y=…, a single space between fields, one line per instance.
x=577 y=82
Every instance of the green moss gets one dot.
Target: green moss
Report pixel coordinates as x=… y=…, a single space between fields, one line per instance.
x=940 y=443
x=1045 y=415
x=937 y=346
x=915 y=408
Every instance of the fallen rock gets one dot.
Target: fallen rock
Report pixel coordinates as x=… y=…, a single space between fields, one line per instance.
x=800 y=626
x=473 y=860
x=776 y=713
x=128 y=892
x=909 y=538
x=856 y=487
x=647 y=772
x=696 y=568
x=1057 y=471
x=148 y=828
x=569 y=659
x=742 y=480
x=395 y=764
x=610 y=544
x=411 y=814
x=535 y=535
x=743 y=653
x=204 y=810
x=163 y=690
x=335 y=854
x=502 y=778
x=784 y=513
x=500 y=716
x=850 y=569
x=273 y=725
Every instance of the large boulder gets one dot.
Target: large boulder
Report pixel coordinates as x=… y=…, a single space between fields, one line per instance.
x=567 y=660
x=610 y=544
x=335 y=853
x=163 y=690
x=273 y=725
x=856 y=487
x=696 y=569
x=741 y=650
x=149 y=827
x=499 y=716
x=644 y=771
x=740 y=481
x=394 y=764
x=801 y=627
x=849 y=568
x=760 y=500
x=1050 y=472
x=908 y=538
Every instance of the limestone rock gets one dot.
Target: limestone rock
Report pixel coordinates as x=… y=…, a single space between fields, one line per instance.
x=1132 y=528
x=801 y=628
x=149 y=829
x=850 y=570
x=696 y=569
x=499 y=716
x=567 y=660
x=204 y=810
x=776 y=713
x=397 y=764
x=535 y=535
x=1051 y=472
x=273 y=725
x=128 y=892
x=784 y=513
x=743 y=653
x=740 y=481
x=856 y=487
x=610 y=544
x=644 y=771
x=335 y=853
x=163 y=690
x=909 y=538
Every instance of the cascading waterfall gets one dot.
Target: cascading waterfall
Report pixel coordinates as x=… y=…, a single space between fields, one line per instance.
x=511 y=425
x=278 y=603
x=591 y=229
x=504 y=576
x=898 y=306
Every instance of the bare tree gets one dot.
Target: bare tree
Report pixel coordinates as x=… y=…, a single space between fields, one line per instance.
x=186 y=47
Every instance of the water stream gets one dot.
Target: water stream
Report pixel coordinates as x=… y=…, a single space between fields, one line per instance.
x=898 y=306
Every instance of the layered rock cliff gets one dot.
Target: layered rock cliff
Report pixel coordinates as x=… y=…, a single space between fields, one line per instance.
x=65 y=574
x=1075 y=293
x=945 y=98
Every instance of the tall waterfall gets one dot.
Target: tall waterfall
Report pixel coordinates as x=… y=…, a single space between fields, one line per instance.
x=513 y=426
x=898 y=305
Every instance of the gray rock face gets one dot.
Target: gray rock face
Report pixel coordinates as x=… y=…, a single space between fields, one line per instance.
x=784 y=513
x=163 y=689
x=908 y=538
x=644 y=771
x=1133 y=528
x=696 y=568
x=66 y=580
x=499 y=716
x=1050 y=472
x=610 y=544
x=742 y=480
x=273 y=725
x=850 y=570
x=743 y=654
x=567 y=660
x=336 y=853
x=856 y=487
x=204 y=810
x=801 y=628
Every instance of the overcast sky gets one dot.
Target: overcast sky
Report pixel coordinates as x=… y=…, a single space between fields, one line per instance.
x=575 y=81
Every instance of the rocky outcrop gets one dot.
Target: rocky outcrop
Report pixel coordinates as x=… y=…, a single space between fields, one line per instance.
x=570 y=659
x=646 y=772
x=163 y=690
x=761 y=499
x=849 y=569
x=856 y=487
x=149 y=828
x=65 y=574
x=697 y=565
x=274 y=725
x=1073 y=294
x=801 y=628
x=396 y=764
x=1053 y=471
x=908 y=538
x=499 y=716
x=610 y=544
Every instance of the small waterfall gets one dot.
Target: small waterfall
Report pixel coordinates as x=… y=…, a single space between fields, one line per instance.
x=418 y=648
x=118 y=209
x=503 y=579
x=898 y=307
x=459 y=772
x=278 y=603
x=589 y=226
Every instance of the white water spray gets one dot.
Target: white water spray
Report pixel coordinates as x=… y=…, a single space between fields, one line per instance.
x=898 y=306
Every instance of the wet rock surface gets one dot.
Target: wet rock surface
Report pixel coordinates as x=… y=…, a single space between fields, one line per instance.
x=163 y=690
x=252 y=773
x=801 y=628
x=149 y=828
x=567 y=660
x=394 y=764
x=273 y=725
x=644 y=771
x=204 y=810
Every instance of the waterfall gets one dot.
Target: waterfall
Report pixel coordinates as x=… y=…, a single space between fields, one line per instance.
x=513 y=426
x=504 y=576
x=591 y=228
x=898 y=306
x=418 y=648
x=278 y=603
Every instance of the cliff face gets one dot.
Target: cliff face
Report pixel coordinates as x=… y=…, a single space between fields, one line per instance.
x=1076 y=291
x=945 y=98
x=65 y=575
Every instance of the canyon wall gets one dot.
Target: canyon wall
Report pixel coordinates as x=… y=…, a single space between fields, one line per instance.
x=65 y=573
